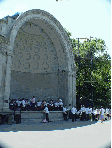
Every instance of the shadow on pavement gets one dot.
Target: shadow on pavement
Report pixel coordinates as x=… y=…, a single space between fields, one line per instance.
x=51 y=126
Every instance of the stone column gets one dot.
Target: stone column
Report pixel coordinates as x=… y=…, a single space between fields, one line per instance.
x=1 y=79
x=7 y=82
x=74 y=89
x=2 y=75
x=69 y=88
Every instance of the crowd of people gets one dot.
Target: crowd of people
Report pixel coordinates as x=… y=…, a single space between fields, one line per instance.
x=84 y=114
x=87 y=113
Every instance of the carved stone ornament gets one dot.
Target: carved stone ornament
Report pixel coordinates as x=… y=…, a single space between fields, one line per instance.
x=26 y=65
x=18 y=64
x=36 y=66
x=45 y=65
x=36 y=57
x=4 y=40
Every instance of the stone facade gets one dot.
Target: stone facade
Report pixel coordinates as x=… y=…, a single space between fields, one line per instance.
x=35 y=59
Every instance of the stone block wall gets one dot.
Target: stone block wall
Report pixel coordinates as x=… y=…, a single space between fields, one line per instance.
x=42 y=85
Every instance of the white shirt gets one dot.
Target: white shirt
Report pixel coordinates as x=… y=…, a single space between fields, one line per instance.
x=83 y=109
x=46 y=110
x=28 y=103
x=94 y=112
x=87 y=110
x=39 y=103
x=60 y=103
x=74 y=110
x=102 y=111
x=19 y=102
x=56 y=104
x=64 y=109
x=23 y=102
x=107 y=111
x=60 y=100
x=51 y=104
x=78 y=112
x=90 y=110
x=98 y=111
x=33 y=100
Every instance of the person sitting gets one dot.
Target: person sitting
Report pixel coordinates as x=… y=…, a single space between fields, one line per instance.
x=27 y=105
x=56 y=106
x=33 y=103
x=23 y=104
x=39 y=103
x=51 y=106
x=12 y=105
x=42 y=106
x=60 y=105
x=19 y=104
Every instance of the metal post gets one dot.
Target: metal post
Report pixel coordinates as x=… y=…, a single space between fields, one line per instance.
x=91 y=72
x=79 y=68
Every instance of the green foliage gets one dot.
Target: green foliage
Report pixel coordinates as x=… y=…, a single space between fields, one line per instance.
x=94 y=64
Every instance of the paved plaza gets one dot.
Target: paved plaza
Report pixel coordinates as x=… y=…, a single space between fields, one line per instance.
x=58 y=134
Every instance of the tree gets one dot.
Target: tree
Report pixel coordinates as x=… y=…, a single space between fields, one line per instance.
x=94 y=64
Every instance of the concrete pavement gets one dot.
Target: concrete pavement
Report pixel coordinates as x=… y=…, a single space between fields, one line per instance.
x=59 y=134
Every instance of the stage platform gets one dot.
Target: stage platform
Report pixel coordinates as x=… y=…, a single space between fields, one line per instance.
x=34 y=115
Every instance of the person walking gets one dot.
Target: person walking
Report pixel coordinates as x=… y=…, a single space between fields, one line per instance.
x=46 y=112
x=74 y=112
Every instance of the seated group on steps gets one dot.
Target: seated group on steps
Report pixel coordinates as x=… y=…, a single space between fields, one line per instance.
x=32 y=105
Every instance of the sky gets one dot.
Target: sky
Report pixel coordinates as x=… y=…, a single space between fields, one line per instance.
x=83 y=18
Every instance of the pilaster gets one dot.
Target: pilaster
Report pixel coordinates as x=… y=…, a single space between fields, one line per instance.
x=7 y=80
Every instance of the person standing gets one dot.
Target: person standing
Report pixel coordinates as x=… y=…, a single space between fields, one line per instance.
x=23 y=104
x=87 y=113
x=107 y=113
x=83 y=113
x=69 y=111
x=102 y=114
x=74 y=112
x=46 y=112
x=65 y=113
x=93 y=114
x=110 y=113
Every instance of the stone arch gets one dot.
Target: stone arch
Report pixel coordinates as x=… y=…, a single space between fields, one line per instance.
x=56 y=32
